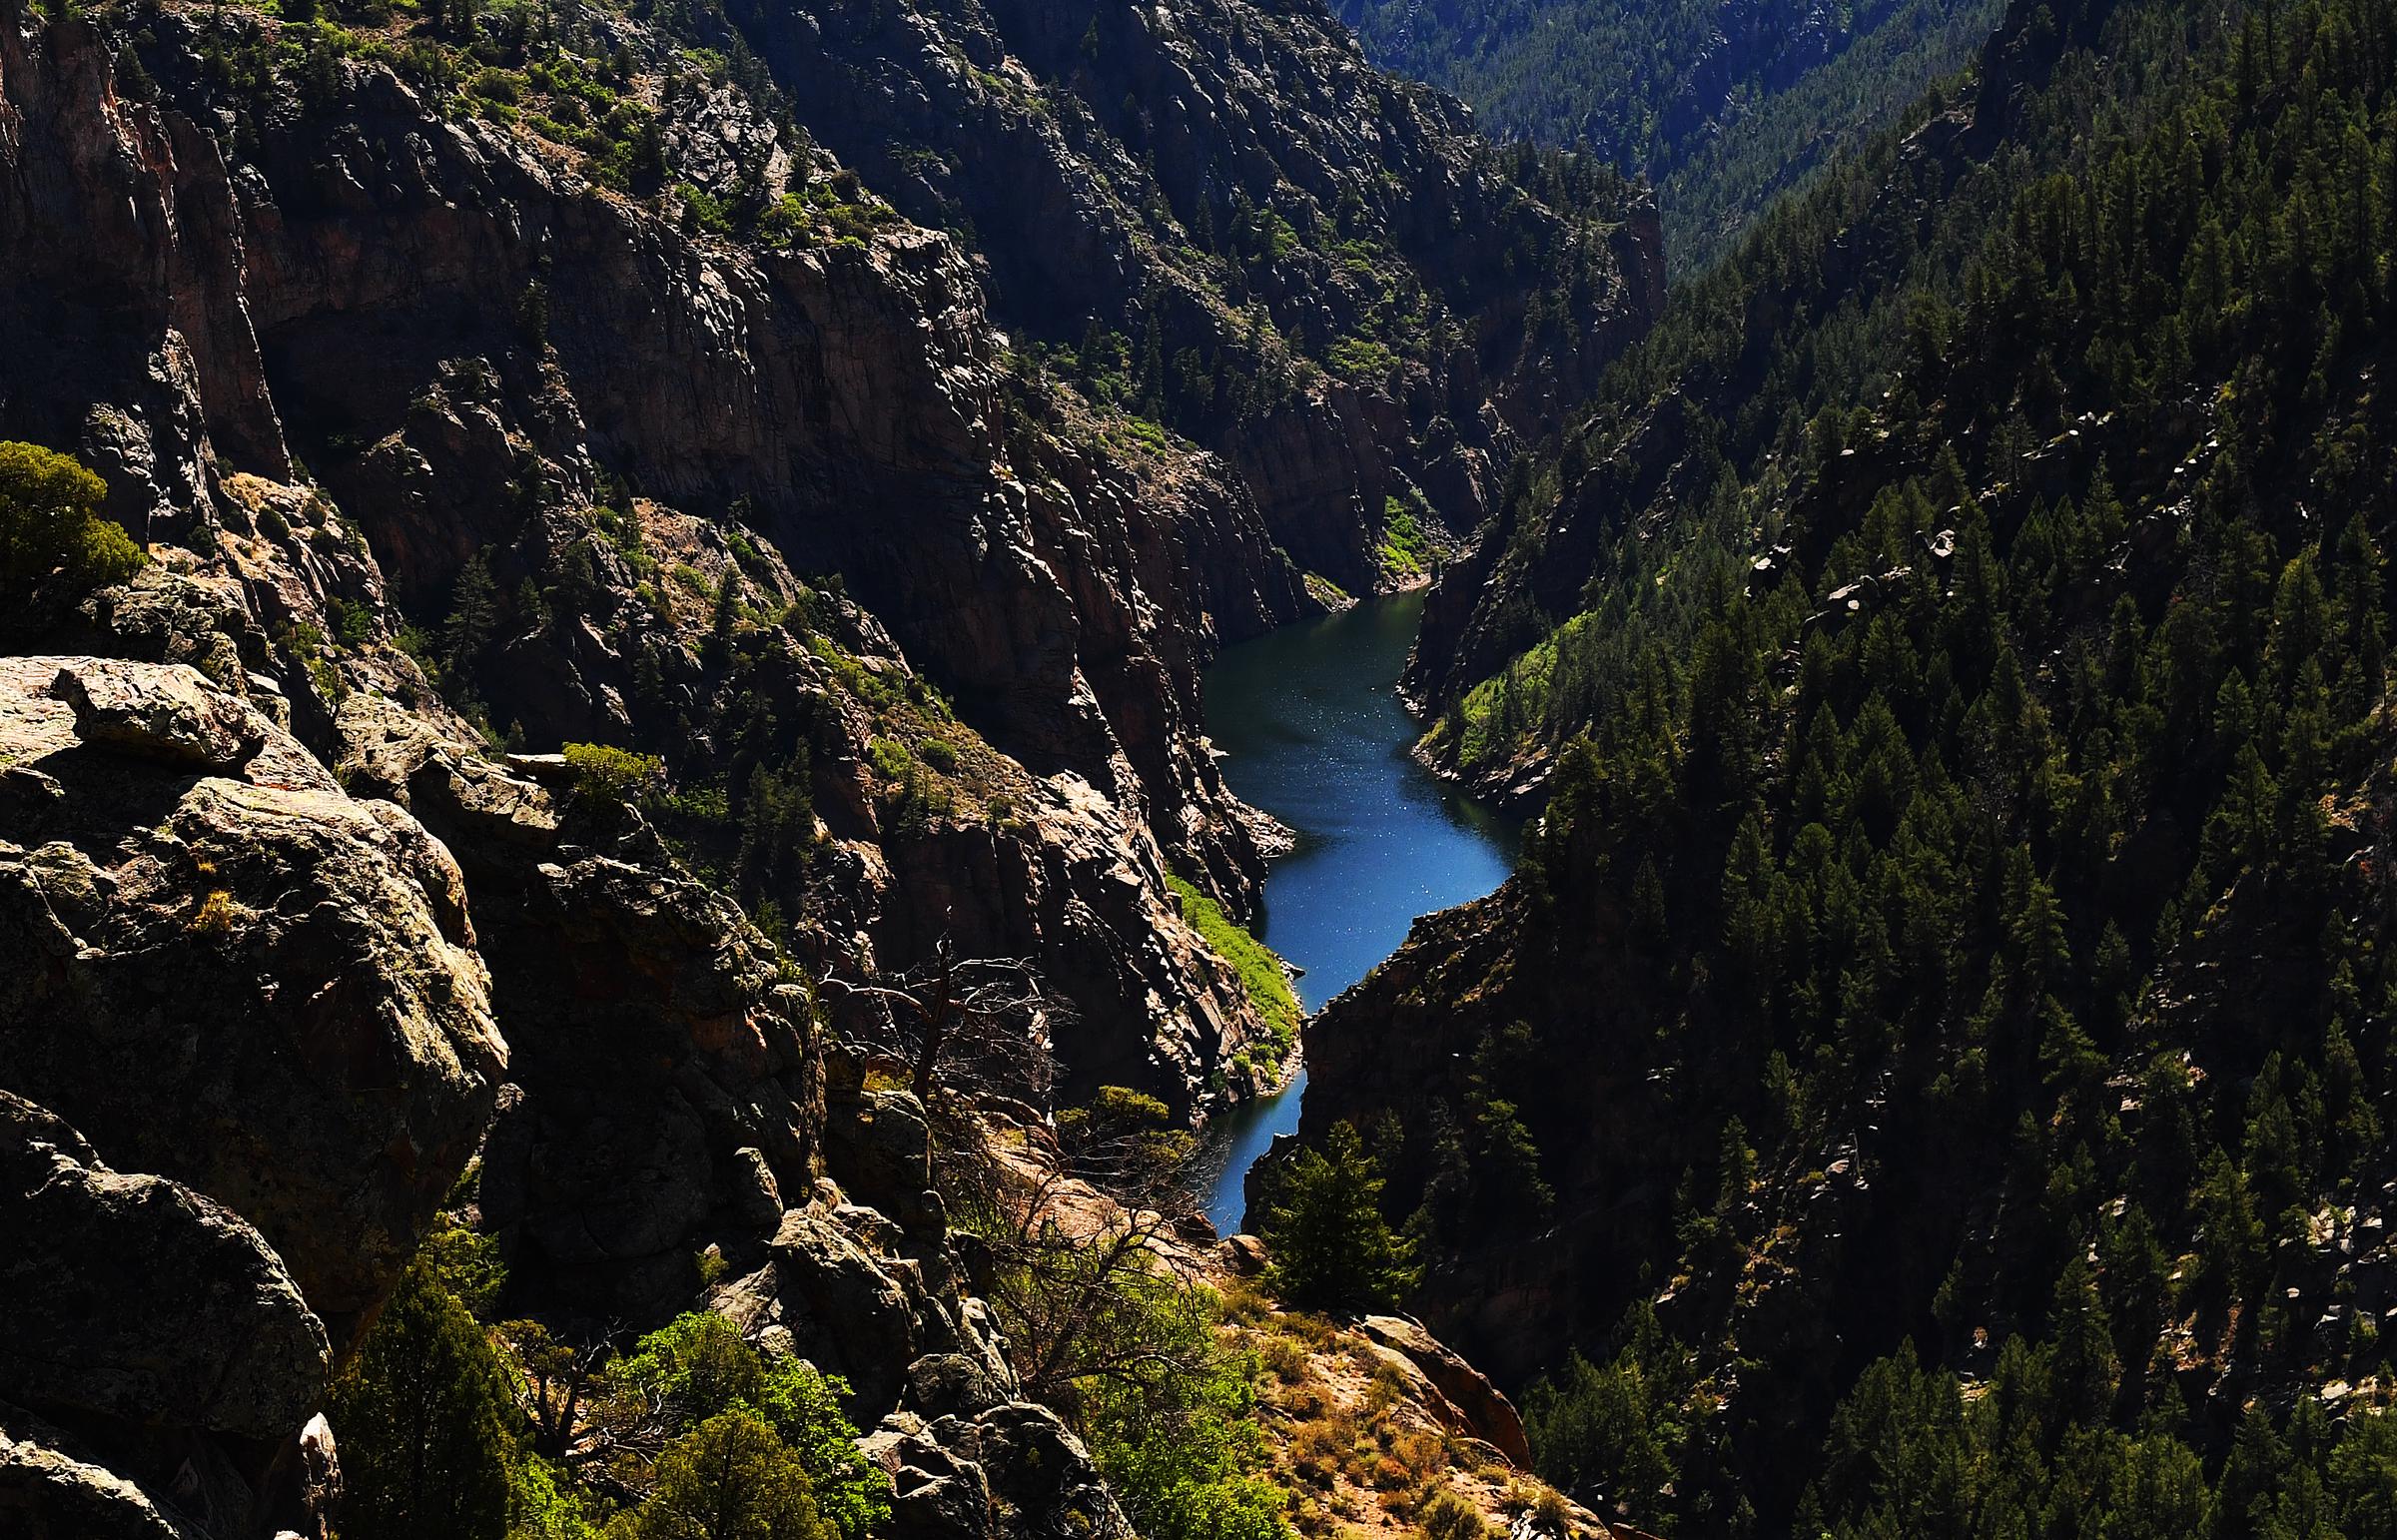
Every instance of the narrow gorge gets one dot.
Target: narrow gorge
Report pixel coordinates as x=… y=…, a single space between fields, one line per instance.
x=1312 y=731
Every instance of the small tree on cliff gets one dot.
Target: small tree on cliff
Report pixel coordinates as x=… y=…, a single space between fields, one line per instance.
x=1332 y=1249
x=50 y=522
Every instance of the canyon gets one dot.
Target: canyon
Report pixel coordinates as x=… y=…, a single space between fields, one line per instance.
x=457 y=428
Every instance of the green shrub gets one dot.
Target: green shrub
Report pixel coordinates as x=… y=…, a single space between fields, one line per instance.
x=1182 y=1450
x=351 y=623
x=50 y=523
x=730 y=1478
x=465 y=1264
x=1449 y=1517
x=1404 y=547
x=889 y=757
x=702 y=211
x=606 y=773
x=698 y=1368
x=939 y=753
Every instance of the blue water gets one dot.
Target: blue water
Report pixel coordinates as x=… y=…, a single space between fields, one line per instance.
x=1311 y=730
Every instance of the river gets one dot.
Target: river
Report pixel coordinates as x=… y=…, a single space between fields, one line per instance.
x=1310 y=724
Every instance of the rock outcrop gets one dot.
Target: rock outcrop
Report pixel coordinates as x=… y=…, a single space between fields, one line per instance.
x=246 y=1048
x=861 y=1280
x=1477 y=1407
x=290 y=967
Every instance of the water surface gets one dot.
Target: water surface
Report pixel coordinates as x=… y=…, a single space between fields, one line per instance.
x=1308 y=720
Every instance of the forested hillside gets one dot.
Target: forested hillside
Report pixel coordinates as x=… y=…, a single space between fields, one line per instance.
x=1932 y=1065
x=1723 y=104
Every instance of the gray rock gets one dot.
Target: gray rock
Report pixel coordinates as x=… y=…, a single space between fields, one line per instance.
x=255 y=987
x=170 y=713
x=949 y=1384
x=228 y=1346
x=755 y=1198
x=49 y=1495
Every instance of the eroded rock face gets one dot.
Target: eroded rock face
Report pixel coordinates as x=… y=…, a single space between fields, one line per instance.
x=246 y=1048
x=234 y=1349
x=1479 y=1408
x=253 y=984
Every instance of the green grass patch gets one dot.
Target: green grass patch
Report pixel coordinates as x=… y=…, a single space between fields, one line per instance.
x=1405 y=548
x=1324 y=591
x=1260 y=972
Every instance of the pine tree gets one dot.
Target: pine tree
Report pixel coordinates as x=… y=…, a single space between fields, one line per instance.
x=473 y=616
x=1332 y=1249
x=424 y=1416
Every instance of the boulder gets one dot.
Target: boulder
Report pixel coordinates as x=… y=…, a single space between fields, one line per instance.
x=251 y=983
x=1243 y=1256
x=232 y=1348
x=170 y=713
x=845 y=1312
x=1488 y=1415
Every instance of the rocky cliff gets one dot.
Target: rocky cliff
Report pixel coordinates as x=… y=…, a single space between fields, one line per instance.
x=1068 y=597
x=1218 y=215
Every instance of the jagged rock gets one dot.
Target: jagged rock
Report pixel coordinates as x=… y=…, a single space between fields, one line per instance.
x=1039 y=1470
x=46 y=1494
x=844 y=1312
x=1487 y=1413
x=936 y=1494
x=756 y=1198
x=243 y=985
x=230 y=1347
x=1011 y=1472
x=171 y=612
x=614 y=1179
x=879 y=1141
x=949 y=1384
x=875 y=1231
x=168 y=714
x=393 y=752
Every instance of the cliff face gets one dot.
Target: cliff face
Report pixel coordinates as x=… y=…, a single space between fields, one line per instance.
x=843 y=399
x=1338 y=281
